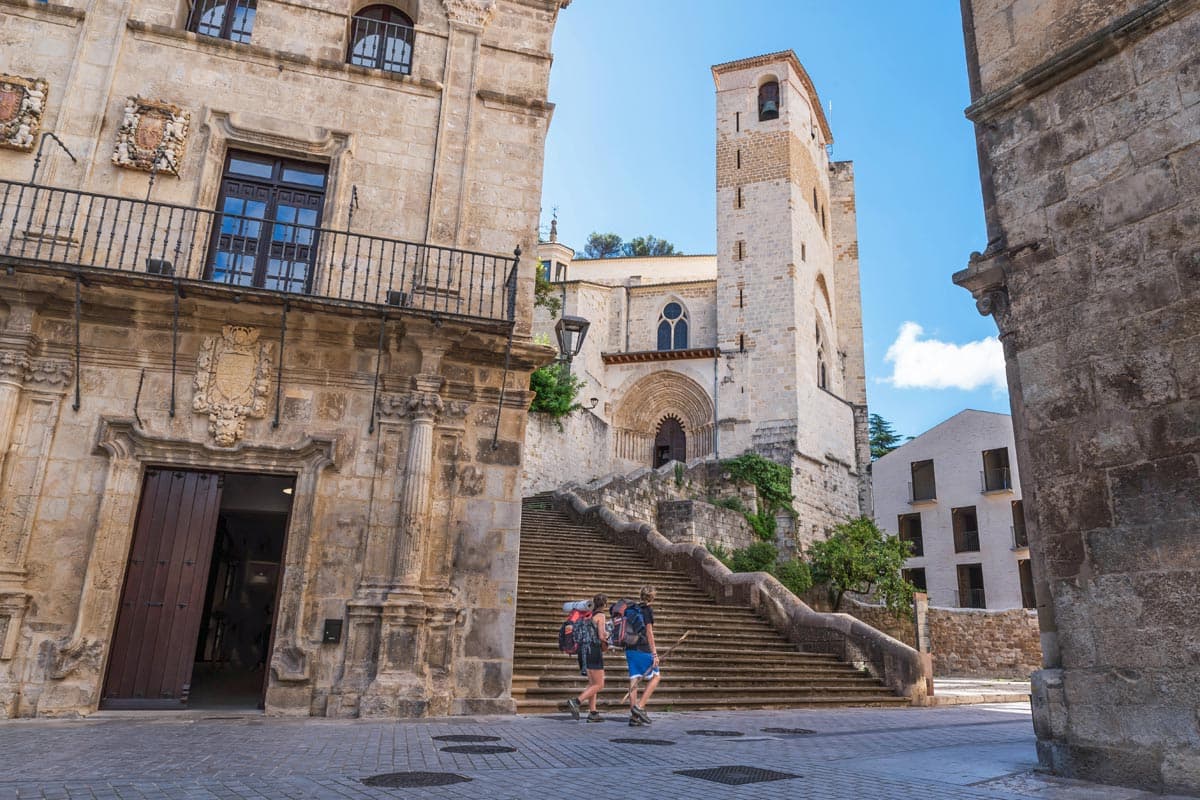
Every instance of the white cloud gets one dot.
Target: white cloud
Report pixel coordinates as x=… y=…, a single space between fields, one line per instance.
x=931 y=364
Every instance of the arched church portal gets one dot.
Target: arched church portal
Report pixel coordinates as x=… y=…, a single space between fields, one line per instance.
x=641 y=420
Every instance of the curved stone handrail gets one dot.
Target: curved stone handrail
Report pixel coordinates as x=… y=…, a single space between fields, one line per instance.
x=901 y=668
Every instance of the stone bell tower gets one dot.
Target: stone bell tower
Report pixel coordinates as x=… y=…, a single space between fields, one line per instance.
x=789 y=315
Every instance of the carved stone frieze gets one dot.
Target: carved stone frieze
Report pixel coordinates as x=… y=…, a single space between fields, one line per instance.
x=153 y=135
x=49 y=375
x=418 y=405
x=233 y=379
x=477 y=13
x=13 y=365
x=22 y=106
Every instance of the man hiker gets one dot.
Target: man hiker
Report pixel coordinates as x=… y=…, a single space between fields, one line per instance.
x=642 y=660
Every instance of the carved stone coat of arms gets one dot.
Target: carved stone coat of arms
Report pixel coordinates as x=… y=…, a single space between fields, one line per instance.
x=233 y=379
x=22 y=105
x=152 y=136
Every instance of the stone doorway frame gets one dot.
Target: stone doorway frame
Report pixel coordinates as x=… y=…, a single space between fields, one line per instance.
x=78 y=664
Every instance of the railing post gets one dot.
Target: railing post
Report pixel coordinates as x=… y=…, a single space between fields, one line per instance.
x=512 y=285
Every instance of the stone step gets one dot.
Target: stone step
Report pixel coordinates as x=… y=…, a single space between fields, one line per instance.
x=732 y=659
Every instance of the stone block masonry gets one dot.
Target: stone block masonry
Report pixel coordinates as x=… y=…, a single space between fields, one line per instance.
x=1088 y=127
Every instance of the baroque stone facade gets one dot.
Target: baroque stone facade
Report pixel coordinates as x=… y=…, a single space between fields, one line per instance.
x=293 y=369
x=1088 y=123
x=756 y=348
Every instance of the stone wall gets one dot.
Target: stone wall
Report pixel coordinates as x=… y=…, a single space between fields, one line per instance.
x=639 y=496
x=576 y=453
x=1087 y=119
x=966 y=642
x=700 y=523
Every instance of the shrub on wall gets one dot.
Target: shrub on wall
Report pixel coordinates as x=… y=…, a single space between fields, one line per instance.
x=858 y=557
x=555 y=390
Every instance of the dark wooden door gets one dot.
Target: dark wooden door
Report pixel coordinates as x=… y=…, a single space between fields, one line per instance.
x=671 y=442
x=162 y=601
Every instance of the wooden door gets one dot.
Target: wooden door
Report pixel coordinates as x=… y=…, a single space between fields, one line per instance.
x=671 y=442
x=162 y=601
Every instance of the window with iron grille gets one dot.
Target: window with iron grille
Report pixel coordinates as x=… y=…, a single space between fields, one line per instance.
x=268 y=231
x=924 y=485
x=996 y=476
x=673 y=328
x=970 y=586
x=910 y=531
x=381 y=37
x=966 y=530
x=223 y=19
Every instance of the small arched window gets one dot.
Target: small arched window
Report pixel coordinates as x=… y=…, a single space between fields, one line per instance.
x=768 y=101
x=224 y=19
x=381 y=37
x=673 y=328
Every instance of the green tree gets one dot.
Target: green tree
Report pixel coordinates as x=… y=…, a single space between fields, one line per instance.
x=555 y=390
x=883 y=437
x=649 y=246
x=858 y=557
x=603 y=245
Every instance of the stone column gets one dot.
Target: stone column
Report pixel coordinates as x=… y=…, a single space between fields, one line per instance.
x=424 y=407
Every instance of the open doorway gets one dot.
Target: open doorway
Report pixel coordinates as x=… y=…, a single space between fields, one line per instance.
x=196 y=622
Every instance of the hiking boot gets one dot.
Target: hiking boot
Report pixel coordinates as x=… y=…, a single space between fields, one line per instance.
x=573 y=707
x=594 y=716
x=634 y=722
x=640 y=714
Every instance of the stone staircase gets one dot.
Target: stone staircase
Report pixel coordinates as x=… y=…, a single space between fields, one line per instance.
x=732 y=659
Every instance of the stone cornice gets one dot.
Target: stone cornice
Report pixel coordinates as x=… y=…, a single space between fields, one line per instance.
x=648 y=356
x=274 y=58
x=1079 y=56
x=53 y=11
x=122 y=438
x=530 y=105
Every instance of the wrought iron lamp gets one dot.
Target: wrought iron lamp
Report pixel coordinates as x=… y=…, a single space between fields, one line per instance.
x=570 y=331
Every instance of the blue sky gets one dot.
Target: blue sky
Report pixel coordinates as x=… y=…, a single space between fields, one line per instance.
x=631 y=150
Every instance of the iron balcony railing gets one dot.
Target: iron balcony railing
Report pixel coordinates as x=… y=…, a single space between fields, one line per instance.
x=995 y=479
x=921 y=492
x=971 y=598
x=1019 y=537
x=223 y=19
x=63 y=227
x=381 y=45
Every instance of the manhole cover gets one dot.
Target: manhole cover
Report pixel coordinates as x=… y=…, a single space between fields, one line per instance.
x=714 y=733
x=479 y=749
x=737 y=775
x=410 y=780
x=659 y=742
x=789 y=731
x=465 y=737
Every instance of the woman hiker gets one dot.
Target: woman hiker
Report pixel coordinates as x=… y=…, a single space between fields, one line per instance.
x=591 y=647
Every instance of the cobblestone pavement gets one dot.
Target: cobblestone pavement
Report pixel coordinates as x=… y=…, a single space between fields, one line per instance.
x=980 y=752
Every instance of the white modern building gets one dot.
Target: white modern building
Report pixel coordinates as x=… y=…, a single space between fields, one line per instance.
x=954 y=493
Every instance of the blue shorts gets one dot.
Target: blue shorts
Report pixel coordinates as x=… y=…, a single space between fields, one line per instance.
x=641 y=665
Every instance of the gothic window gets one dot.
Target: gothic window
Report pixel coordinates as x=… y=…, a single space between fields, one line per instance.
x=673 y=328
x=381 y=37
x=768 y=101
x=223 y=19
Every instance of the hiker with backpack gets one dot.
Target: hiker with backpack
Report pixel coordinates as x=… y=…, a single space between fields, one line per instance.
x=591 y=635
x=635 y=630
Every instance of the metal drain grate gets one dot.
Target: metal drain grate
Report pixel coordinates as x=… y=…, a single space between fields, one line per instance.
x=465 y=737
x=659 y=742
x=737 y=775
x=714 y=733
x=789 y=731
x=479 y=749
x=412 y=780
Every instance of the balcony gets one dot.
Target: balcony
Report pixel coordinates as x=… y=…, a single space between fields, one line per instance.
x=382 y=45
x=921 y=493
x=63 y=229
x=996 y=479
x=1020 y=540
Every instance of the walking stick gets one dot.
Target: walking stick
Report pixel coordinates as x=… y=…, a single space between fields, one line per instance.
x=633 y=681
